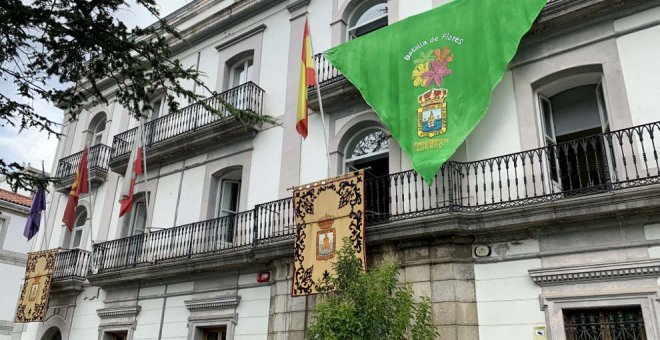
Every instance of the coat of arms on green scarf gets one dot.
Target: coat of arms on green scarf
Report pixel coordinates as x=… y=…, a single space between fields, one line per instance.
x=430 y=77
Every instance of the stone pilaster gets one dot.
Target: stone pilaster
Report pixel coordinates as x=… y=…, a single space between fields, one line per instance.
x=443 y=270
x=289 y=317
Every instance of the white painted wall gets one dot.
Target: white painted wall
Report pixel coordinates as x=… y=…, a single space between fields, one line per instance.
x=10 y=285
x=84 y=324
x=411 y=7
x=165 y=201
x=264 y=179
x=507 y=299
x=14 y=239
x=487 y=139
x=190 y=201
x=313 y=158
x=253 y=312
x=639 y=53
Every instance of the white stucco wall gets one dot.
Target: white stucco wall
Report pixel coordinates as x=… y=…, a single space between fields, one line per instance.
x=487 y=139
x=639 y=53
x=190 y=201
x=85 y=321
x=264 y=186
x=313 y=157
x=10 y=285
x=507 y=299
x=412 y=7
x=14 y=224
x=165 y=200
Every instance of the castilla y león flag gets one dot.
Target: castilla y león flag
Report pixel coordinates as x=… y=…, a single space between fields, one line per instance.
x=430 y=77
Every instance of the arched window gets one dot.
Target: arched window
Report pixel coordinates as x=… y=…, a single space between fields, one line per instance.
x=369 y=149
x=571 y=108
x=366 y=18
x=78 y=228
x=241 y=71
x=138 y=220
x=228 y=193
x=96 y=129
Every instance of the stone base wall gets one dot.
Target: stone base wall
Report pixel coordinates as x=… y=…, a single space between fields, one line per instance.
x=441 y=269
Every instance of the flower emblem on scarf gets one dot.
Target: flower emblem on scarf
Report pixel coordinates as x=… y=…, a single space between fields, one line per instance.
x=432 y=67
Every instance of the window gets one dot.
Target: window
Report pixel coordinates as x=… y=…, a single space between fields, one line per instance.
x=219 y=333
x=157 y=108
x=116 y=335
x=369 y=150
x=367 y=18
x=227 y=200
x=571 y=115
x=97 y=133
x=621 y=323
x=241 y=72
x=138 y=217
x=78 y=228
x=229 y=193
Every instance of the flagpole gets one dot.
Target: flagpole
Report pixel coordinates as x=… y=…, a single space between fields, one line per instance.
x=318 y=93
x=144 y=167
x=91 y=202
x=45 y=238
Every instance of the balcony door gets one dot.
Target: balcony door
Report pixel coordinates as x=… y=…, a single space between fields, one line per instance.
x=369 y=150
x=228 y=202
x=240 y=74
x=571 y=122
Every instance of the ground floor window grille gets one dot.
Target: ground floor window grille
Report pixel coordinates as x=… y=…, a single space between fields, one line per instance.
x=623 y=323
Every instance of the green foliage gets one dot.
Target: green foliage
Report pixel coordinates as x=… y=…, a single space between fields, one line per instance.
x=68 y=52
x=369 y=305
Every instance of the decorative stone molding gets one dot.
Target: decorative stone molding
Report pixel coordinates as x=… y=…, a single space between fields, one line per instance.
x=213 y=303
x=118 y=312
x=596 y=272
x=294 y=6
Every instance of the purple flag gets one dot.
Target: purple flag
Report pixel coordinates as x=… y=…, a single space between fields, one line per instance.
x=34 y=217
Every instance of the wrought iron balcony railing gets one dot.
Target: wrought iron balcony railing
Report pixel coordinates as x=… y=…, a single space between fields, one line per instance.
x=266 y=223
x=195 y=117
x=72 y=264
x=97 y=158
x=601 y=163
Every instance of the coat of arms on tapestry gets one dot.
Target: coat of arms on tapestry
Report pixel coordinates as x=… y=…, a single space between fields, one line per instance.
x=33 y=301
x=326 y=214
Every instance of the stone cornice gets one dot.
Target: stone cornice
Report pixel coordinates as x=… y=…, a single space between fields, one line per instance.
x=212 y=303
x=118 y=312
x=241 y=37
x=596 y=272
x=297 y=5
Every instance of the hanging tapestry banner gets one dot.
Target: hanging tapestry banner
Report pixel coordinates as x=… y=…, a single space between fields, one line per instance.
x=33 y=302
x=326 y=213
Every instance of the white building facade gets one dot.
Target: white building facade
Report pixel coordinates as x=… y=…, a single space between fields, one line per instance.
x=545 y=220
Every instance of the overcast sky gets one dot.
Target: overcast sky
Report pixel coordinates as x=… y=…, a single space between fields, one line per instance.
x=32 y=146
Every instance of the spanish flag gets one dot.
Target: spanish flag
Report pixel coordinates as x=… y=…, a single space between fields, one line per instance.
x=307 y=78
x=80 y=186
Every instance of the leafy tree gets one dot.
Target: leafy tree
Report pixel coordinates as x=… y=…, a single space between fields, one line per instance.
x=358 y=305
x=66 y=51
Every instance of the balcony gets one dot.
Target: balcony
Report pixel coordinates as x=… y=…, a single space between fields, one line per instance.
x=97 y=159
x=71 y=267
x=519 y=186
x=190 y=130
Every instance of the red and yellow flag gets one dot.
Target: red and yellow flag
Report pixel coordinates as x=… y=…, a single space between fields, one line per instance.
x=80 y=186
x=307 y=78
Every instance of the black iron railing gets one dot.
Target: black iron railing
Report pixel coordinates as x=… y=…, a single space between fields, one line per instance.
x=596 y=164
x=611 y=323
x=248 y=97
x=97 y=158
x=326 y=73
x=72 y=264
